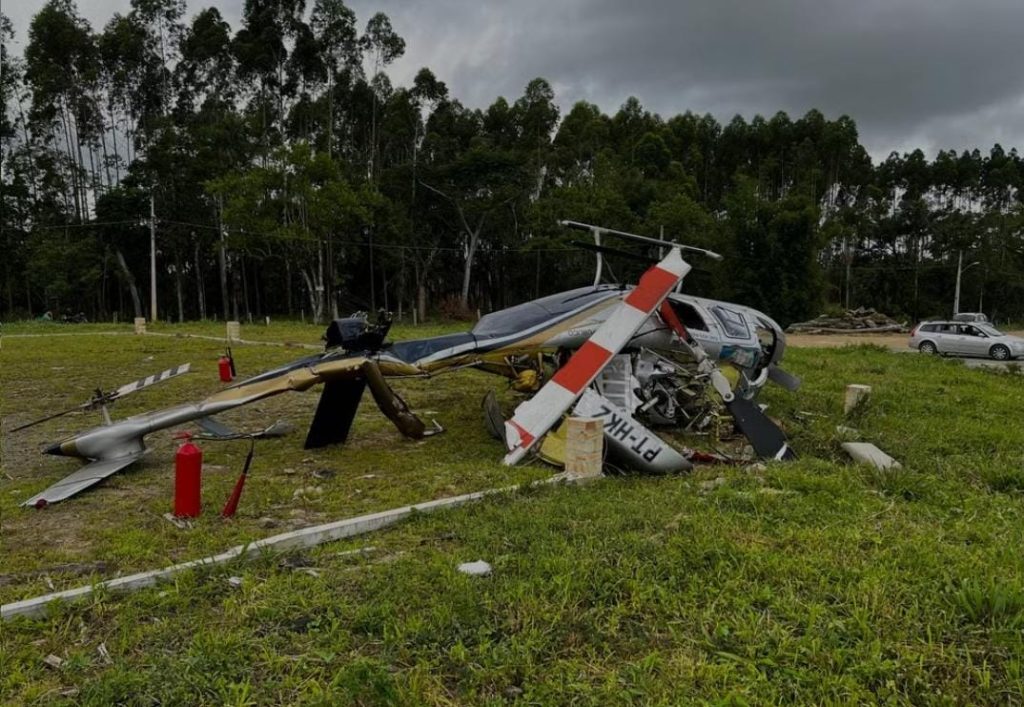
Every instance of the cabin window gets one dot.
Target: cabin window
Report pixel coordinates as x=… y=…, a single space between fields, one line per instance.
x=733 y=322
x=689 y=316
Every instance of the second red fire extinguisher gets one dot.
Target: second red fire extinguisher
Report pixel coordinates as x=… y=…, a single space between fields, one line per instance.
x=225 y=369
x=188 y=467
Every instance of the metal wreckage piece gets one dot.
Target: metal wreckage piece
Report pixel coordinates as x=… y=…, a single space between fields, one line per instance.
x=618 y=354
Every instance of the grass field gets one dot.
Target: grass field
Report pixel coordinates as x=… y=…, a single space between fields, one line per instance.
x=807 y=582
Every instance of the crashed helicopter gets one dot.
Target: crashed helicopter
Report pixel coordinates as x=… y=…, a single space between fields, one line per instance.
x=632 y=355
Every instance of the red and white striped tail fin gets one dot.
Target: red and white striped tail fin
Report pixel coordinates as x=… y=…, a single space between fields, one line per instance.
x=533 y=418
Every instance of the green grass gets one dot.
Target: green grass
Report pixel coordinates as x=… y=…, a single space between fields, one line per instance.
x=807 y=582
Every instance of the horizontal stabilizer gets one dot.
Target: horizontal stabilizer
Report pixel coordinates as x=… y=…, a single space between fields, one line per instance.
x=91 y=473
x=215 y=428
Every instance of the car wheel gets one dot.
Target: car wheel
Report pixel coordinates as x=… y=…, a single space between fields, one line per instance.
x=927 y=347
x=999 y=352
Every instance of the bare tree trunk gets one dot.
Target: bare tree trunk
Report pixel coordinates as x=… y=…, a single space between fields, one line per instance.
x=320 y=291
x=245 y=291
x=223 y=262
x=130 y=280
x=288 y=285
x=474 y=240
x=72 y=170
x=234 y=294
x=200 y=290
x=256 y=289
x=177 y=286
x=315 y=294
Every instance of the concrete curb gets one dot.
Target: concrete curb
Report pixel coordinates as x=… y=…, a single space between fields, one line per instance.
x=250 y=342
x=302 y=538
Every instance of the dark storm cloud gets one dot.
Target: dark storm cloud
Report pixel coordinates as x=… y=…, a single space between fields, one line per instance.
x=926 y=73
x=912 y=73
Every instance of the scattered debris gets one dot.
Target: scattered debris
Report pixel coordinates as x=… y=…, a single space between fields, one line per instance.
x=104 y=654
x=324 y=473
x=711 y=484
x=308 y=493
x=847 y=432
x=268 y=522
x=294 y=562
x=475 y=569
x=283 y=542
x=180 y=523
x=856 y=395
x=288 y=470
x=866 y=453
x=358 y=551
x=235 y=581
x=54 y=661
x=861 y=320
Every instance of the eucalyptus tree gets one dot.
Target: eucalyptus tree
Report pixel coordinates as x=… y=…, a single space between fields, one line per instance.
x=334 y=27
x=261 y=51
x=383 y=45
x=59 y=53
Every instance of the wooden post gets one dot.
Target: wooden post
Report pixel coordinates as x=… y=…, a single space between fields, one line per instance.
x=234 y=331
x=584 y=446
x=140 y=325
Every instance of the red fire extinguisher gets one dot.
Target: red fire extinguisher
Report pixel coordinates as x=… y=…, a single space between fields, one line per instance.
x=188 y=467
x=225 y=368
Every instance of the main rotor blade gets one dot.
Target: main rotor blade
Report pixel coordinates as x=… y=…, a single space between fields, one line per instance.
x=635 y=237
x=55 y=415
x=148 y=381
x=101 y=399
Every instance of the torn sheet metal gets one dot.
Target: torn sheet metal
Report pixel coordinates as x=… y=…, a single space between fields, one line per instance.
x=629 y=441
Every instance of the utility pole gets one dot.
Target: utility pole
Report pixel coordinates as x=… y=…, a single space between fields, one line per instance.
x=959 y=272
x=152 y=258
x=373 y=289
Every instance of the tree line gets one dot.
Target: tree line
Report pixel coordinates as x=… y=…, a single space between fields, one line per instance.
x=284 y=173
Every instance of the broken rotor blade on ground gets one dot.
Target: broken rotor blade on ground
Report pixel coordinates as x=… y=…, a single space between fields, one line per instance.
x=101 y=399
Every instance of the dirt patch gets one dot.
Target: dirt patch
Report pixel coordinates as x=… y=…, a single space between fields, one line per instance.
x=895 y=342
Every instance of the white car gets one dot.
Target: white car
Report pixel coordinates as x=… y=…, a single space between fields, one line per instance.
x=965 y=339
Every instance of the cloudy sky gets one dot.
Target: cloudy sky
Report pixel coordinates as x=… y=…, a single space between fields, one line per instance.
x=913 y=73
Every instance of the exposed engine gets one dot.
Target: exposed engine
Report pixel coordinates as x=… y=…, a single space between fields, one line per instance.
x=659 y=390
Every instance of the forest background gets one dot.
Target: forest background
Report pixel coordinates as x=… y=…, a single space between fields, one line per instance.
x=283 y=173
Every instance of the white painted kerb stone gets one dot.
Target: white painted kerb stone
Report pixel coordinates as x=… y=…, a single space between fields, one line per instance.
x=302 y=538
